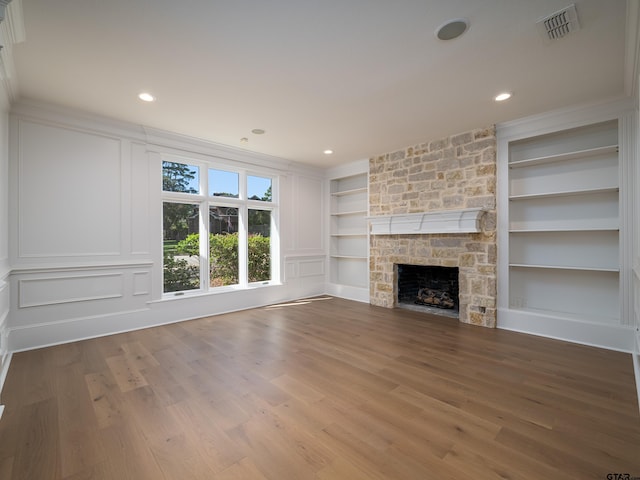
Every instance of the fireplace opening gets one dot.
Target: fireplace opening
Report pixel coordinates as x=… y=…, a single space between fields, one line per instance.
x=429 y=288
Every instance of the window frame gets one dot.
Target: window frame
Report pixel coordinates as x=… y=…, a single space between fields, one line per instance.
x=243 y=204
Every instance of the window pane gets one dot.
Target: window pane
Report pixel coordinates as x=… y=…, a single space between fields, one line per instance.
x=223 y=184
x=259 y=247
x=223 y=246
x=179 y=177
x=258 y=188
x=180 y=243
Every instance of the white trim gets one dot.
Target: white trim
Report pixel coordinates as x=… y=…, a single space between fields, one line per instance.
x=12 y=31
x=15 y=22
x=636 y=364
x=445 y=221
x=563 y=119
x=6 y=362
x=159 y=312
x=22 y=289
x=70 y=267
x=612 y=337
x=358 y=294
x=631 y=47
x=627 y=128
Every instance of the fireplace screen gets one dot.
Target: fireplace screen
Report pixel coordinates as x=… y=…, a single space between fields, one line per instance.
x=428 y=286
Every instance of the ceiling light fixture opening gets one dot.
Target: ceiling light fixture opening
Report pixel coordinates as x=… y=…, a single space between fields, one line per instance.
x=452 y=29
x=258 y=131
x=328 y=151
x=501 y=97
x=146 y=97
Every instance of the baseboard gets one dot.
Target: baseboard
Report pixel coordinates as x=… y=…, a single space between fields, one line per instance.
x=611 y=337
x=348 y=292
x=6 y=361
x=636 y=365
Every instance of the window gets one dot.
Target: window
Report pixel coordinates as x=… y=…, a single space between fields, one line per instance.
x=224 y=238
x=180 y=255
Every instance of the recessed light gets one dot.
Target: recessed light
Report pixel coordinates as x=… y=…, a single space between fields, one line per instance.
x=452 y=29
x=328 y=151
x=257 y=131
x=501 y=97
x=146 y=97
x=244 y=140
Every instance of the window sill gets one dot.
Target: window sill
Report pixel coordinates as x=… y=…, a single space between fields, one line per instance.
x=215 y=291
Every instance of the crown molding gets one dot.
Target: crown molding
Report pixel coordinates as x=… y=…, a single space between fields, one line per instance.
x=3 y=8
x=632 y=48
x=12 y=31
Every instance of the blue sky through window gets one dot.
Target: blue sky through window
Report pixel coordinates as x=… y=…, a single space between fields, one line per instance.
x=223 y=183
x=257 y=186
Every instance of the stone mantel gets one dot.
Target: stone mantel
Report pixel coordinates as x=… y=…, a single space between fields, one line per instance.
x=445 y=221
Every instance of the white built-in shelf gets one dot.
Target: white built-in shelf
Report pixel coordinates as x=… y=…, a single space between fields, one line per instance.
x=353 y=191
x=353 y=212
x=562 y=255
x=564 y=267
x=567 y=230
x=566 y=193
x=348 y=231
x=591 y=152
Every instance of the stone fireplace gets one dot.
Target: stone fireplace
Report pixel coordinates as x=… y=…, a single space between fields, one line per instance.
x=434 y=204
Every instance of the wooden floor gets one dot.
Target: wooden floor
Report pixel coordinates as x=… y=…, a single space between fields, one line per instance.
x=327 y=389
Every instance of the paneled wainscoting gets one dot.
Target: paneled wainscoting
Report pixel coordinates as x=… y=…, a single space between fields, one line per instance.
x=319 y=389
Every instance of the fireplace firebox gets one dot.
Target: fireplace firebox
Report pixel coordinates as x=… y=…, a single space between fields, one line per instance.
x=432 y=289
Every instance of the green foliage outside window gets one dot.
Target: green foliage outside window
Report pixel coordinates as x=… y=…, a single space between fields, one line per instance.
x=223 y=254
x=179 y=275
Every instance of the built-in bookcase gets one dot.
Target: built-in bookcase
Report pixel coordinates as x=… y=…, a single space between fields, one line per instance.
x=349 y=240
x=564 y=224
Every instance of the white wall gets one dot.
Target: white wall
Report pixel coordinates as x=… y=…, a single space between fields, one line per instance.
x=85 y=228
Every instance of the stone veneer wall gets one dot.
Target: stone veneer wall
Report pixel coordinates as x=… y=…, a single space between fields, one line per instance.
x=448 y=174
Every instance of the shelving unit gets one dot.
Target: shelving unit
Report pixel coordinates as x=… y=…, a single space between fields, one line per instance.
x=564 y=224
x=349 y=239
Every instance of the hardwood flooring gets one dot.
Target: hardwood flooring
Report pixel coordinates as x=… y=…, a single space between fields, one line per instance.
x=326 y=389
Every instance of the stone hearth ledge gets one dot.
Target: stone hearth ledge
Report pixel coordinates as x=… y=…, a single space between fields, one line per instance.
x=466 y=220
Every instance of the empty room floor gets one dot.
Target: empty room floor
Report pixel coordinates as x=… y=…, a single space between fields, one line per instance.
x=319 y=389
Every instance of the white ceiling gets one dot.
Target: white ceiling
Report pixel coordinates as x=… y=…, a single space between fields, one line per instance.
x=362 y=77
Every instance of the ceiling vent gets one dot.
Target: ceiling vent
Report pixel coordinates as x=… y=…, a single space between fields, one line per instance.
x=559 y=24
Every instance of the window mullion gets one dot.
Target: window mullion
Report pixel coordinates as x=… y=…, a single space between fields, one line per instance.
x=204 y=233
x=243 y=253
x=204 y=246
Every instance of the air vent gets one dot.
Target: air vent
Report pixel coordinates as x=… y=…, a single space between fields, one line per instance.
x=559 y=24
